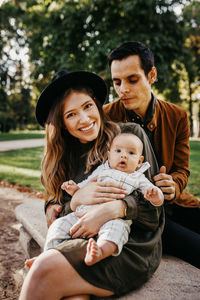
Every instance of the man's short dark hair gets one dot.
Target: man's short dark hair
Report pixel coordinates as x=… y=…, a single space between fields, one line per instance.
x=134 y=48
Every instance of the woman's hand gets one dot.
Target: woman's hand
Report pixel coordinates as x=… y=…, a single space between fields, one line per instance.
x=97 y=192
x=52 y=212
x=90 y=221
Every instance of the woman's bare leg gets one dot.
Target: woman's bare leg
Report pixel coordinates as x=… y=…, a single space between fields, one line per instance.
x=51 y=277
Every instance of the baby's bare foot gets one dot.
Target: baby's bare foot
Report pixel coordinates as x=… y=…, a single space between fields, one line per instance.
x=93 y=254
x=29 y=262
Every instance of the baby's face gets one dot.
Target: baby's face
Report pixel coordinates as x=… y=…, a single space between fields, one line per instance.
x=126 y=153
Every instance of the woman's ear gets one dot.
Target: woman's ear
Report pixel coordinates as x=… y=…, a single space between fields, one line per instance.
x=152 y=75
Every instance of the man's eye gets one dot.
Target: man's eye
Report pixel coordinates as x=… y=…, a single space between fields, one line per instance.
x=117 y=83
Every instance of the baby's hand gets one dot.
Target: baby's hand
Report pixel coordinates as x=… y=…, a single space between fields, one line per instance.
x=70 y=187
x=154 y=195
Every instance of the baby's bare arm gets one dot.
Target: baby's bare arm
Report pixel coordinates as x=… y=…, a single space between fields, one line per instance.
x=154 y=195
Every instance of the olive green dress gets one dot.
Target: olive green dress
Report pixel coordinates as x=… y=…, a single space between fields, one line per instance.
x=140 y=256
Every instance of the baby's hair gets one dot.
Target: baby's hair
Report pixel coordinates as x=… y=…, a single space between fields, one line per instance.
x=126 y=132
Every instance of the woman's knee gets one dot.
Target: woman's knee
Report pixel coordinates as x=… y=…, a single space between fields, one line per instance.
x=46 y=265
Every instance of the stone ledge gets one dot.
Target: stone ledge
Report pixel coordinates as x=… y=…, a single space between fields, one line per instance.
x=173 y=280
x=31 y=215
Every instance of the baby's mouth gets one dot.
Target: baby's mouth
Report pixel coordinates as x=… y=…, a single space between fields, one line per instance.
x=122 y=164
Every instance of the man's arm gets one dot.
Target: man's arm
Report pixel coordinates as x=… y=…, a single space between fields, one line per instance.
x=174 y=180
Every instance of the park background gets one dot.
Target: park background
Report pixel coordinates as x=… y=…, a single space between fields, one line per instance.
x=38 y=38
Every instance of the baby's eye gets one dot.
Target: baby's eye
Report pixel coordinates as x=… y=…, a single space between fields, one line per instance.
x=118 y=150
x=131 y=152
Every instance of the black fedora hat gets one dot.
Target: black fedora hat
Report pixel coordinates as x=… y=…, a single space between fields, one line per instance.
x=63 y=80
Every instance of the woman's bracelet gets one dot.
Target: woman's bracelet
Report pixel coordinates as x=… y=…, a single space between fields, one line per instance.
x=125 y=210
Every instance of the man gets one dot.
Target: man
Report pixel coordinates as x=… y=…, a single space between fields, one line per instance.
x=133 y=72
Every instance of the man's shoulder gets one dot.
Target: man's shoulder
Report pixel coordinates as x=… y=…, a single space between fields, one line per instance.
x=108 y=106
x=115 y=111
x=170 y=108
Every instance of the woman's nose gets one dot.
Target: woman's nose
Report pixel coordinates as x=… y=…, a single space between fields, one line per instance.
x=83 y=117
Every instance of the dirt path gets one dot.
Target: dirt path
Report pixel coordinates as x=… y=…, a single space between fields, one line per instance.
x=11 y=254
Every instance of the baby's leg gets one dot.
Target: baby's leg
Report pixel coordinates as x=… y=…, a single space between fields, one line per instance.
x=97 y=251
x=57 y=232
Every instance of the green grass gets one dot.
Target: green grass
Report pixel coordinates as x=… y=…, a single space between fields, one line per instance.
x=21 y=135
x=193 y=185
x=22 y=167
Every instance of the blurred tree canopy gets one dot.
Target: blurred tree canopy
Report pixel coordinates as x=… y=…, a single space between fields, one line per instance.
x=79 y=34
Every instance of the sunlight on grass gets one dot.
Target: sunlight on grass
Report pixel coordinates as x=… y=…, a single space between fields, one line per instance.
x=19 y=171
x=22 y=167
x=22 y=135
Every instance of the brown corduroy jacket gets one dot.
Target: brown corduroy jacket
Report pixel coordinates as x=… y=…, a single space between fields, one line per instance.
x=171 y=140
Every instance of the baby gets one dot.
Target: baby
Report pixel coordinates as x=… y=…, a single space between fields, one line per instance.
x=125 y=167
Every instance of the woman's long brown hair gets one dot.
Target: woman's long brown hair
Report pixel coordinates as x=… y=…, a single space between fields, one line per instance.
x=59 y=162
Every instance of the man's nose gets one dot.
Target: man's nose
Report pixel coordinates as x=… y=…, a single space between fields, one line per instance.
x=124 y=89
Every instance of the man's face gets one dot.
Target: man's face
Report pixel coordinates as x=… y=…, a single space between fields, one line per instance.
x=131 y=84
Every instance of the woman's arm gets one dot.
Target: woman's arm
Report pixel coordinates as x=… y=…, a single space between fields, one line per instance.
x=97 y=192
x=133 y=207
x=90 y=221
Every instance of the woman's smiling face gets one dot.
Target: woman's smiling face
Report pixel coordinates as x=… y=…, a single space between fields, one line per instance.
x=81 y=116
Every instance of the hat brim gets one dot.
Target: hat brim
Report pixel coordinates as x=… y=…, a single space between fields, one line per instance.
x=59 y=86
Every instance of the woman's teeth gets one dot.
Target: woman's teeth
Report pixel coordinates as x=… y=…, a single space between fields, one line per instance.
x=87 y=128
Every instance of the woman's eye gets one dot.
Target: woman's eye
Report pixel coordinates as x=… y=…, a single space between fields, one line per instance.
x=70 y=115
x=88 y=105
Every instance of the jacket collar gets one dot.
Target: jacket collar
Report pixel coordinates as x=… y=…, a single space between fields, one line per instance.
x=151 y=116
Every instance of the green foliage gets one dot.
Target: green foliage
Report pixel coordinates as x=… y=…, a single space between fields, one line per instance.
x=78 y=35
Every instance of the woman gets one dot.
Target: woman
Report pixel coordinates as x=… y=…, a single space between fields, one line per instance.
x=78 y=136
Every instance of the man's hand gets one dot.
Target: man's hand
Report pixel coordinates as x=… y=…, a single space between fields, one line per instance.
x=165 y=183
x=52 y=212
